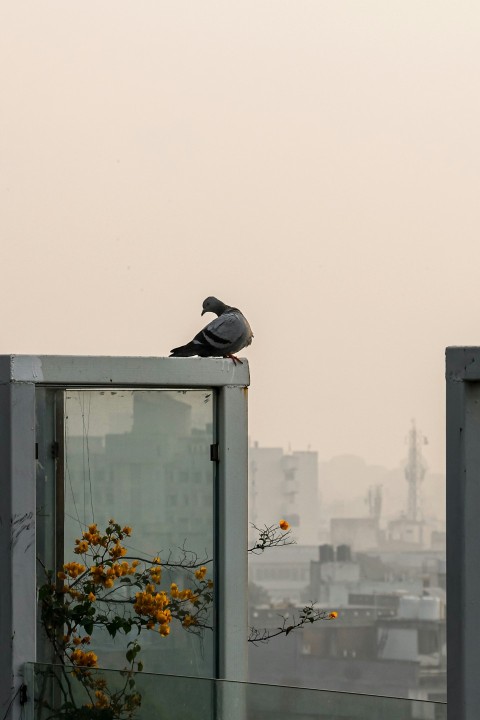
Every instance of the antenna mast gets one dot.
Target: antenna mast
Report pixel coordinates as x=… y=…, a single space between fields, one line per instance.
x=414 y=471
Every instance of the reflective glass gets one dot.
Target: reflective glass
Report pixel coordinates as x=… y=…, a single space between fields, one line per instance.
x=369 y=544
x=142 y=457
x=172 y=697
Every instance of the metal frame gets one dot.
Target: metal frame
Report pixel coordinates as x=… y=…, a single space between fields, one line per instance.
x=463 y=532
x=19 y=376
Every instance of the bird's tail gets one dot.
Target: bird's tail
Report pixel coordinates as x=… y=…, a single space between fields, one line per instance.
x=184 y=351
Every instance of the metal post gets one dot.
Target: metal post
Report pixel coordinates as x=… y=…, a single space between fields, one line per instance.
x=232 y=521
x=463 y=532
x=17 y=539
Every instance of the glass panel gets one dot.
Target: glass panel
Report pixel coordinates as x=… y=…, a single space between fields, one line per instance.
x=142 y=457
x=169 y=698
x=370 y=544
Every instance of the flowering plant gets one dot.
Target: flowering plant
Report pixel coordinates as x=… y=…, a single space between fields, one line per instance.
x=108 y=589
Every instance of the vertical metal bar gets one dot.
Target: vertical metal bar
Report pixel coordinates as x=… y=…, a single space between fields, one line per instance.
x=17 y=540
x=463 y=533
x=455 y=551
x=232 y=533
x=59 y=480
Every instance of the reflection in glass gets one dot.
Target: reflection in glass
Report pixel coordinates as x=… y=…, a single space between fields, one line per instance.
x=143 y=458
x=169 y=698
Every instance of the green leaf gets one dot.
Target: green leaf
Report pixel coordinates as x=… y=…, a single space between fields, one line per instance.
x=44 y=592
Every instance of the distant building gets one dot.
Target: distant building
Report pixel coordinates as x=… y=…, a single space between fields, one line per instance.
x=406 y=532
x=285 y=485
x=359 y=533
x=284 y=573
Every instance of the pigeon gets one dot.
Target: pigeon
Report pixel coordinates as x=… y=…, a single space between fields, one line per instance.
x=227 y=334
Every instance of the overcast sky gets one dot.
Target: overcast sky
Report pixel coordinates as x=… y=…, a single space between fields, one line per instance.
x=314 y=163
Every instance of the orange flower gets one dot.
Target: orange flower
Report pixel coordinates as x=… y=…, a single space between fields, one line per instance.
x=83 y=659
x=284 y=525
x=188 y=620
x=82 y=547
x=333 y=615
x=201 y=572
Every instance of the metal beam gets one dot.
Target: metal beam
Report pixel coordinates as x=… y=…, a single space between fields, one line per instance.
x=124 y=371
x=232 y=522
x=463 y=532
x=17 y=540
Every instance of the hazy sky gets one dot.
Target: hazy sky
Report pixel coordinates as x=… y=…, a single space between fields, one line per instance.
x=315 y=163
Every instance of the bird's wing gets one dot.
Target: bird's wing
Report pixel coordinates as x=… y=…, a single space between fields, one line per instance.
x=222 y=332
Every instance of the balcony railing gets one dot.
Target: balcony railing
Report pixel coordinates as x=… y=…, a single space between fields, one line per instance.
x=59 y=692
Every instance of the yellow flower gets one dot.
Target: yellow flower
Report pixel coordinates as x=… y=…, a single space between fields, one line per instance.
x=174 y=590
x=200 y=573
x=74 y=569
x=82 y=547
x=188 y=620
x=117 y=551
x=97 y=572
x=164 y=630
x=284 y=525
x=127 y=530
x=333 y=615
x=102 y=699
x=92 y=528
x=109 y=583
x=91 y=597
x=83 y=659
x=156 y=574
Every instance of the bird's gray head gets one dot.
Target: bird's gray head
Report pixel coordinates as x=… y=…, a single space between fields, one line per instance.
x=212 y=304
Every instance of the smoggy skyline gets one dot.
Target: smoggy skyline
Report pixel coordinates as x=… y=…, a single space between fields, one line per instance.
x=315 y=164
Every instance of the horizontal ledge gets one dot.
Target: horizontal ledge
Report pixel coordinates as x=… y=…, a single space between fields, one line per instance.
x=105 y=371
x=462 y=363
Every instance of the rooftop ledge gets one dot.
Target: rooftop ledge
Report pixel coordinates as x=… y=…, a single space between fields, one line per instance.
x=462 y=363
x=79 y=370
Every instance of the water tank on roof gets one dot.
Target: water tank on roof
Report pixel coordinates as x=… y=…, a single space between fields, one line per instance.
x=409 y=607
x=429 y=608
x=326 y=553
x=344 y=553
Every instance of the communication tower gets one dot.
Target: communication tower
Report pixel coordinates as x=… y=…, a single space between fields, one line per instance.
x=415 y=471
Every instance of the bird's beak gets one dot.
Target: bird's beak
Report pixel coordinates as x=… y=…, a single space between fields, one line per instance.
x=203 y=312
